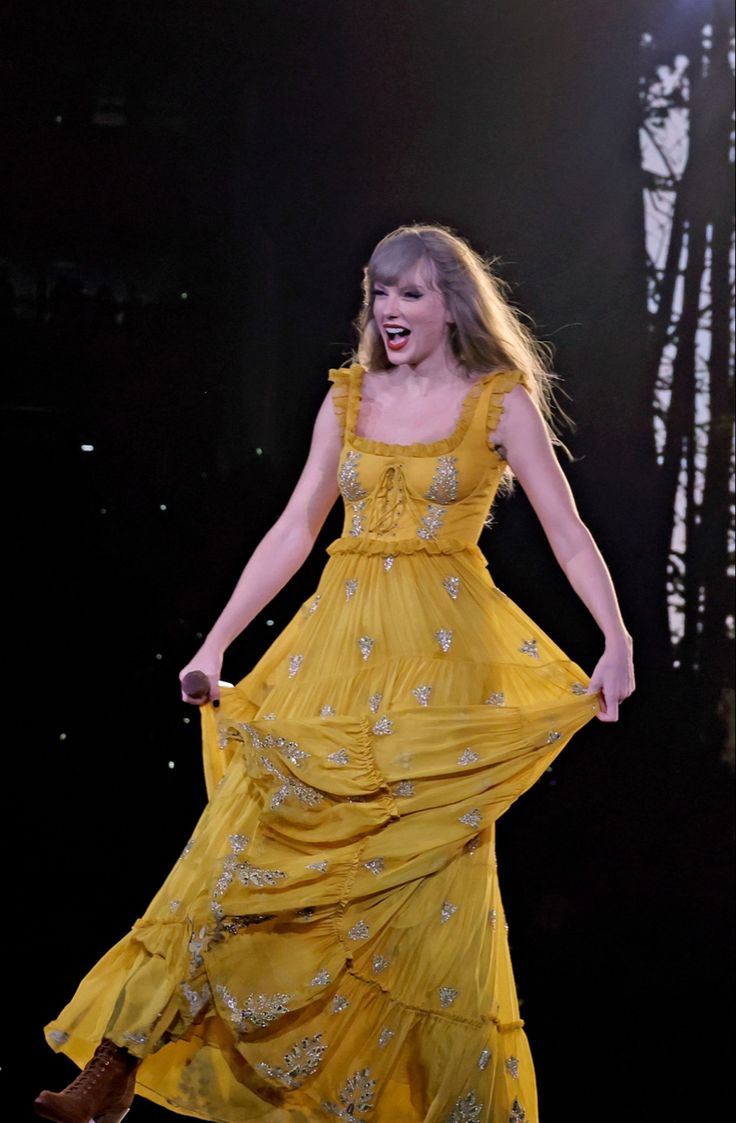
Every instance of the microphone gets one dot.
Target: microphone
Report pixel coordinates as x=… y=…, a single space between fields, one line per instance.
x=196 y=685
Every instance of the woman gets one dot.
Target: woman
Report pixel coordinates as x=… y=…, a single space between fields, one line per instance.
x=332 y=943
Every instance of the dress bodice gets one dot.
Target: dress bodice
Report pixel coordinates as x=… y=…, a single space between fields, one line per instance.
x=433 y=497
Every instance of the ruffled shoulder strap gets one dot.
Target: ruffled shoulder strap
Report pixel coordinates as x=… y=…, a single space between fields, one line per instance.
x=343 y=380
x=501 y=383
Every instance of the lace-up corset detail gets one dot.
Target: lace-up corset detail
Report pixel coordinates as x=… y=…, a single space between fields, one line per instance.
x=433 y=496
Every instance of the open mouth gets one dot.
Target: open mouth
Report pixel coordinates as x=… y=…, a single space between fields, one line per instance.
x=396 y=338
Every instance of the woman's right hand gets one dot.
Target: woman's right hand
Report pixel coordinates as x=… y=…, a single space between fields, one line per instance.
x=208 y=663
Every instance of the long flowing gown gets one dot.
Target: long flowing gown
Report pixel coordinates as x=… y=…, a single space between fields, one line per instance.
x=331 y=944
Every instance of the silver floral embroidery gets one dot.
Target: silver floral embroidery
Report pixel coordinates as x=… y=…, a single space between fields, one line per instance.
x=384 y=727
x=472 y=818
x=301 y=1061
x=357 y=526
x=385 y=1036
x=295 y=662
x=187 y=848
x=431 y=522
x=258 y=876
x=374 y=702
x=321 y=866
x=289 y=749
x=452 y=585
x=498 y=698
x=217 y=910
x=310 y=609
x=472 y=844
x=339 y=1003
x=404 y=788
x=484 y=1058
x=351 y=588
x=529 y=647
x=59 y=1036
x=327 y=711
x=356 y=1097
x=289 y=786
x=347 y=478
x=322 y=979
x=444 y=638
x=466 y=1110
x=366 y=643
x=375 y=865
x=447 y=911
x=379 y=963
x=135 y=1038
x=388 y=561
x=340 y=756
x=359 y=931
x=512 y=1066
x=443 y=488
x=518 y=1115
x=238 y=842
x=258 y=1010
x=492 y=918
x=552 y=736
x=174 y=905
x=195 y=948
x=578 y=688
x=448 y=995
x=469 y=756
x=422 y=693
x=197 y=999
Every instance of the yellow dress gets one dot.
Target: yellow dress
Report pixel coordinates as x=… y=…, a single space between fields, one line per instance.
x=331 y=944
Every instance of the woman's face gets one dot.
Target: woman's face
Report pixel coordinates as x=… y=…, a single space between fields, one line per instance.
x=412 y=318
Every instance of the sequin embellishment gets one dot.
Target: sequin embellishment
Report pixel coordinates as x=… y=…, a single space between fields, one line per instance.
x=444 y=638
x=578 y=688
x=339 y=1003
x=484 y=1058
x=295 y=662
x=466 y=1110
x=448 y=995
x=289 y=749
x=384 y=727
x=431 y=522
x=351 y=588
x=447 y=911
x=404 y=788
x=452 y=585
x=359 y=931
x=388 y=561
x=301 y=1061
x=366 y=644
x=374 y=702
x=327 y=711
x=311 y=608
x=339 y=757
x=347 y=478
x=512 y=1066
x=59 y=1036
x=518 y=1115
x=552 y=736
x=498 y=698
x=375 y=865
x=443 y=488
x=469 y=756
x=422 y=693
x=321 y=866
x=471 y=818
x=385 y=1036
x=289 y=786
x=529 y=647
x=356 y=1097
x=379 y=963
x=259 y=1010
x=322 y=979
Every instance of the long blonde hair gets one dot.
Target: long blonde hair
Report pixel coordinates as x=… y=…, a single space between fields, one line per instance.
x=487 y=333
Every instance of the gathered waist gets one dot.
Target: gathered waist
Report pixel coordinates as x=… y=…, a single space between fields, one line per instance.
x=360 y=544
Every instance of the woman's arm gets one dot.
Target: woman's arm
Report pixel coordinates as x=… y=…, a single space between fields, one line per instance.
x=523 y=437
x=281 y=551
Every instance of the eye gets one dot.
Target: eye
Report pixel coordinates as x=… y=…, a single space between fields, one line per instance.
x=413 y=295
x=378 y=292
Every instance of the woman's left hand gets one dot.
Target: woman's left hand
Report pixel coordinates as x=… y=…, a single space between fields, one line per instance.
x=613 y=676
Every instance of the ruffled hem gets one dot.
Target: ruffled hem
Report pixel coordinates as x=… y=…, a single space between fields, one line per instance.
x=403 y=546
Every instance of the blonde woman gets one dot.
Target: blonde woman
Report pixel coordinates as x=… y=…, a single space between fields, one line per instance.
x=332 y=941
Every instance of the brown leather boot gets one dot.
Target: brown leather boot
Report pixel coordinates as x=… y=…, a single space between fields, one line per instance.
x=102 y=1093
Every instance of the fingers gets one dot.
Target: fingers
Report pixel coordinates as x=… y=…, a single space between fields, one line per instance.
x=197 y=688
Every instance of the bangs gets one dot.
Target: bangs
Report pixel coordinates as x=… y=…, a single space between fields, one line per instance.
x=393 y=259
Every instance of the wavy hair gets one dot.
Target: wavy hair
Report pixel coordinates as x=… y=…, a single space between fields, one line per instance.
x=487 y=332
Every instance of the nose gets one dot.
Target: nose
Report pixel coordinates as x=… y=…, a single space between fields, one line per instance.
x=391 y=306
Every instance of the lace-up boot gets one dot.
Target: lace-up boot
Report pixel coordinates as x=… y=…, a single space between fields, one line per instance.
x=101 y=1093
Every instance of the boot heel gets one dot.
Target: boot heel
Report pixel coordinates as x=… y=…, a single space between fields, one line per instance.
x=112 y=1116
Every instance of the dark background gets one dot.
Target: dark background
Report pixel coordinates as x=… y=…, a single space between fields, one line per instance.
x=249 y=155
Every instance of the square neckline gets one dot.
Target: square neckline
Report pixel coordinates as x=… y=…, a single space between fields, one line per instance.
x=418 y=448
